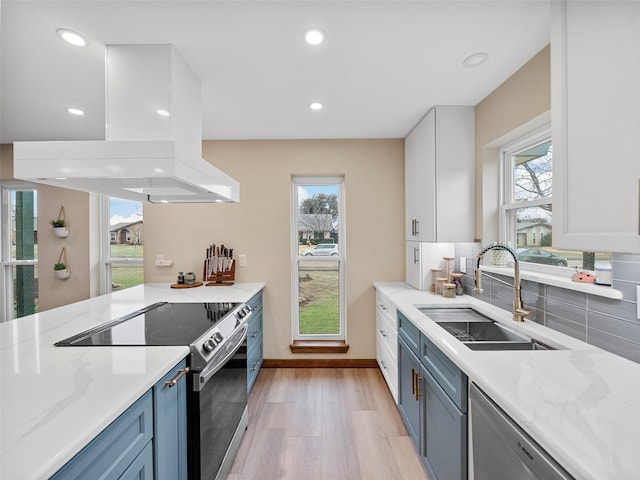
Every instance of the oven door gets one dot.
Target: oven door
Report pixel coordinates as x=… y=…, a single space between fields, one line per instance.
x=218 y=415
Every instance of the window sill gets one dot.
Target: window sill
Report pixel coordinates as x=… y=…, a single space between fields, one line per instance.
x=557 y=281
x=319 y=346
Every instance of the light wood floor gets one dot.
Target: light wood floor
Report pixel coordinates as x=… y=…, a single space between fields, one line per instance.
x=324 y=424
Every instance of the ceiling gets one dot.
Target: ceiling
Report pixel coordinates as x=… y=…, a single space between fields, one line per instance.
x=382 y=66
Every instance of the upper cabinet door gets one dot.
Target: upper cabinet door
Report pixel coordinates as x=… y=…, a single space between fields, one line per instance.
x=439 y=174
x=595 y=79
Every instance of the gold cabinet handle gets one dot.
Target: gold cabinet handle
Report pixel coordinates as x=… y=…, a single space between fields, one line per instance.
x=413 y=382
x=417 y=386
x=181 y=373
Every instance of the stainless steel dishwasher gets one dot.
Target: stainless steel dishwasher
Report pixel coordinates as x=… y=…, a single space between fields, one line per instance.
x=502 y=450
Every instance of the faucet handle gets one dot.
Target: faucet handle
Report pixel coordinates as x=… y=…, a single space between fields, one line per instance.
x=519 y=314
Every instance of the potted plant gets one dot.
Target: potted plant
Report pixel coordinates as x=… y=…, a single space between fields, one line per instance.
x=59 y=228
x=61 y=271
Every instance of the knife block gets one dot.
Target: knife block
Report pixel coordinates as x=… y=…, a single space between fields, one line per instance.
x=221 y=278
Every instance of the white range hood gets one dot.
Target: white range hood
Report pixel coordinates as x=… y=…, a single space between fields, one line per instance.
x=145 y=156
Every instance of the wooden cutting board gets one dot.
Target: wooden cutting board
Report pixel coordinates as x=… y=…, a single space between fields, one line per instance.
x=184 y=285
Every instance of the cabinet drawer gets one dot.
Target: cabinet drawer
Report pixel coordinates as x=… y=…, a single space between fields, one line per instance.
x=388 y=366
x=142 y=466
x=386 y=333
x=254 y=361
x=116 y=447
x=409 y=333
x=386 y=308
x=255 y=327
x=452 y=380
x=255 y=301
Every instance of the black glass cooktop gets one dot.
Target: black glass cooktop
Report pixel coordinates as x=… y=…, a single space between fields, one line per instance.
x=159 y=324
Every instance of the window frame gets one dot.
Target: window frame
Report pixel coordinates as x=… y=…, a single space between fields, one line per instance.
x=6 y=262
x=296 y=181
x=506 y=223
x=106 y=261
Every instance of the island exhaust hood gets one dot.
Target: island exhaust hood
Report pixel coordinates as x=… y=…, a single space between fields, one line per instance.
x=153 y=137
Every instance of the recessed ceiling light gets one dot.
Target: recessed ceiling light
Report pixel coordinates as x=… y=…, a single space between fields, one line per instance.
x=316 y=106
x=314 y=36
x=71 y=37
x=163 y=113
x=75 y=111
x=164 y=201
x=475 y=59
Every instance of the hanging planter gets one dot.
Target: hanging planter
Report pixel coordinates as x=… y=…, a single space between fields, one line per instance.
x=60 y=229
x=60 y=269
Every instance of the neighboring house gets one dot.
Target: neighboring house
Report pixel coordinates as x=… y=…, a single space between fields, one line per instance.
x=533 y=234
x=127 y=233
x=319 y=226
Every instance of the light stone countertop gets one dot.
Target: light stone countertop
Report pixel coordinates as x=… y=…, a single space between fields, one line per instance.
x=581 y=403
x=55 y=400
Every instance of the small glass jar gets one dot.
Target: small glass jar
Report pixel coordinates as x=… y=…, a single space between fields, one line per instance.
x=439 y=282
x=180 y=278
x=448 y=267
x=457 y=280
x=435 y=273
x=449 y=290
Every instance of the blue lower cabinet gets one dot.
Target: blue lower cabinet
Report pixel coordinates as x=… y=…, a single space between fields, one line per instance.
x=111 y=453
x=409 y=402
x=254 y=340
x=432 y=399
x=170 y=425
x=445 y=433
x=148 y=441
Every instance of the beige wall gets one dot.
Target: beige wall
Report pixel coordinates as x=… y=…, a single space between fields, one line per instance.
x=6 y=161
x=53 y=292
x=260 y=226
x=521 y=103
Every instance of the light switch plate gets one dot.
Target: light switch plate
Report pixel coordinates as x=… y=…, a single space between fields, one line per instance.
x=638 y=300
x=242 y=260
x=463 y=264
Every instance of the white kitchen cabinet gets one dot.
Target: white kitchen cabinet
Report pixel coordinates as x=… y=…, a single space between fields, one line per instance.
x=421 y=257
x=595 y=84
x=387 y=342
x=439 y=176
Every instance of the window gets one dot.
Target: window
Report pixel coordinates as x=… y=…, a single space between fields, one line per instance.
x=19 y=251
x=318 y=259
x=527 y=206
x=124 y=251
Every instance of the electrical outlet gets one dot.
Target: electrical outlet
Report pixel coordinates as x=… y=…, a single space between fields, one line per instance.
x=242 y=260
x=638 y=300
x=463 y=264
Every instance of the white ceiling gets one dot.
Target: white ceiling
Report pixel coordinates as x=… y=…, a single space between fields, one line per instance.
x=384 y=64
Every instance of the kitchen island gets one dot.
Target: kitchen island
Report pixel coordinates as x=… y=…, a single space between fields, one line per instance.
x=55 y=400
x=579 y=402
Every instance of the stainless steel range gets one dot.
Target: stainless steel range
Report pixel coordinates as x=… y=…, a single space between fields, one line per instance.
x=217 y=394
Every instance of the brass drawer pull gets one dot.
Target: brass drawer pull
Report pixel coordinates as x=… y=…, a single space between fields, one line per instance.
x=181 y=373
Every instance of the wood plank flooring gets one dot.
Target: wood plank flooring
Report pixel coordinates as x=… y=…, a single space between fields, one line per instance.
x=324 y=424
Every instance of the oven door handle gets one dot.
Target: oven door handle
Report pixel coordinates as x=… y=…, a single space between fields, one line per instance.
x=209 y=371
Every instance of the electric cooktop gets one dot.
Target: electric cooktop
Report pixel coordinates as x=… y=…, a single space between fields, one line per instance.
x=156 y=325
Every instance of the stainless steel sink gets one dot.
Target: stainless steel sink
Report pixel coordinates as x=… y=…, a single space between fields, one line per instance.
x=479 y=332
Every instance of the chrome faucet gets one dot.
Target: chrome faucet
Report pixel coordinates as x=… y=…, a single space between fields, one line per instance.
x=519 y=312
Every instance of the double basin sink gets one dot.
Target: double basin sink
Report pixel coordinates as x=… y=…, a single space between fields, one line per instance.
x=479 y=332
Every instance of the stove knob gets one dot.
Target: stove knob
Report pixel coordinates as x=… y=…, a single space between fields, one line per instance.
x=217 y=337
x=209 y=345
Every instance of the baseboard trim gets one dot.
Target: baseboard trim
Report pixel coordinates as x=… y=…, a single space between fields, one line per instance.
x=320 y=363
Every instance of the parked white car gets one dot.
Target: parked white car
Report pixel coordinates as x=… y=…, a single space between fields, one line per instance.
x=322 y=249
